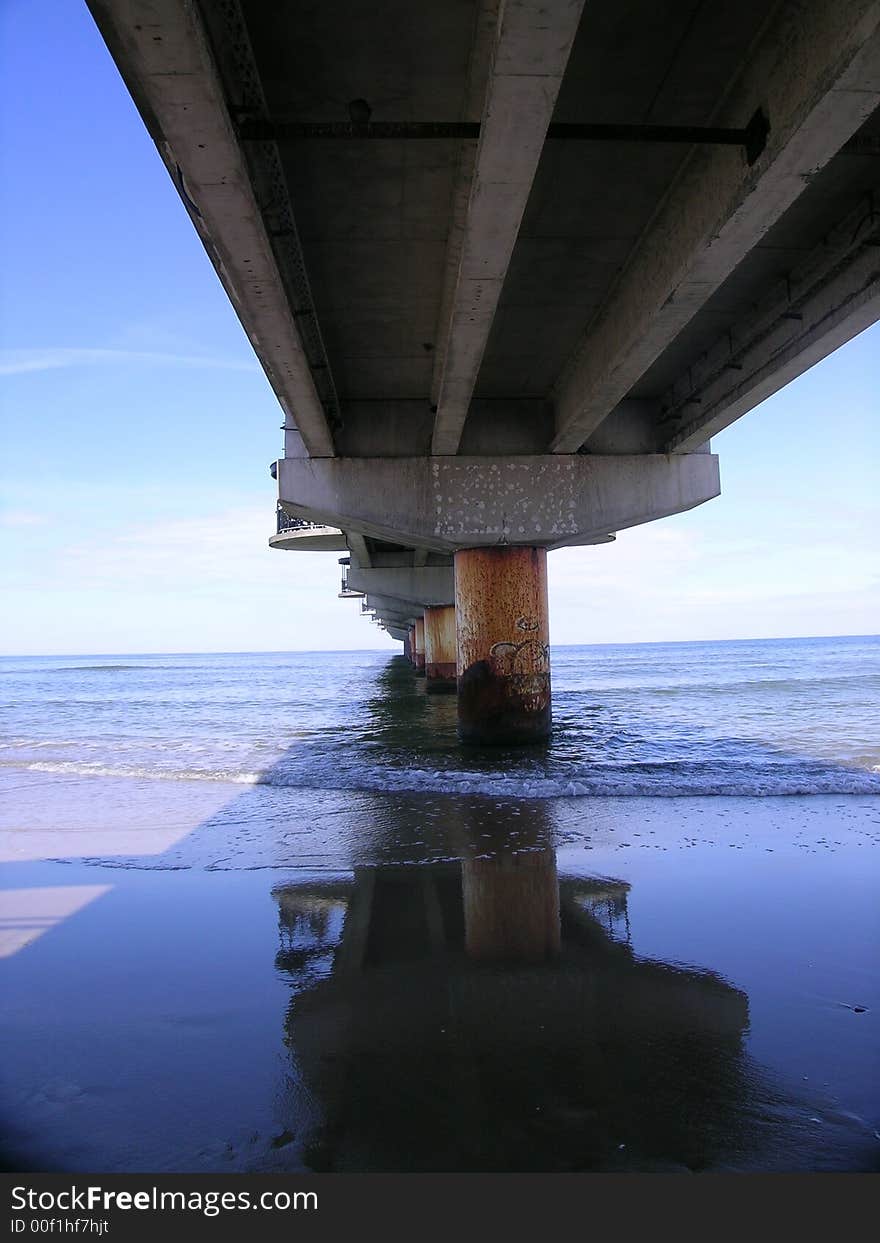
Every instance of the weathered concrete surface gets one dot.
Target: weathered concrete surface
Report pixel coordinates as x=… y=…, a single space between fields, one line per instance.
x=815 y=73
x=829 y=297
x=419 y=645
x=172 y=74
x=452 y=503
x=440 y=648
x=532 y=43
x=425 y=585
x=394 y=289
x=503 y=645
x=360 y=551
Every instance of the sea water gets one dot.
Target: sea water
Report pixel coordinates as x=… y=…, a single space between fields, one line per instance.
x=243 y=893
x=780 y=716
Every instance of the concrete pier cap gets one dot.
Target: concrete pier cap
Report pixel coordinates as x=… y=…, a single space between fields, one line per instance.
x=449 y=503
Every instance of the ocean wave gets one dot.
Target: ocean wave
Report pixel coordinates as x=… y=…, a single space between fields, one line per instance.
x=40 y=670
x=694 y=685
x=85 y=768
x=672 y=781
x=93 y=668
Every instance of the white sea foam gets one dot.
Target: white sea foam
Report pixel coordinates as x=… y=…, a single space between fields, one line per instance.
x=81 y=768
x=677 y=782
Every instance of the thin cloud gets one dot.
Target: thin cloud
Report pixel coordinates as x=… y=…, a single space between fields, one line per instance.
x=195 y=554
x=22 y=518
x=20 y=362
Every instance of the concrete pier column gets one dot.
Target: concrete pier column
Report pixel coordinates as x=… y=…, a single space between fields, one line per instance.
x=407 y=645
x=440 y=648
x=419 y=646
x=503 y=645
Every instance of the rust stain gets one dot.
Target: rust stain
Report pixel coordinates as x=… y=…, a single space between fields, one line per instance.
x=440 y=648
x=419 y=645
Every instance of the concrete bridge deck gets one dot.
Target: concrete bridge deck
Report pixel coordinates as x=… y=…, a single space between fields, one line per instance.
x=509 y=264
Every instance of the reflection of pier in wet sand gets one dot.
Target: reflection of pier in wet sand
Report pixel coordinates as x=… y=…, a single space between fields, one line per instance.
x=451 y=996
x=487 y=1015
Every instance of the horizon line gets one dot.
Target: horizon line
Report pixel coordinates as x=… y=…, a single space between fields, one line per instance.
x=331 y=651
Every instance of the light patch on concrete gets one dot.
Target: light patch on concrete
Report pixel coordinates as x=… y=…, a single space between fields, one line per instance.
x=449 y=503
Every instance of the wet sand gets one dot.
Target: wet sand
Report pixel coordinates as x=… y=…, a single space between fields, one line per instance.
x=201 y=979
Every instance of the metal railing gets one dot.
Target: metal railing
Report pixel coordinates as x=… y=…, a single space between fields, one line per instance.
x=286 y=522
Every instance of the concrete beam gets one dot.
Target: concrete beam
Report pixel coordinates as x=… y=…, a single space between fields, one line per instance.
x=359 y=549
x=395 y=617
x=815 y=73
x=389 y=606
x=829 y=298
x=418 y=586
x=449 y=503
x=532 y=43
x=163 y=54
x=405 y=558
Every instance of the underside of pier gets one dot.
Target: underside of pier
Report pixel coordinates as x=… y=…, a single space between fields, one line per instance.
x=509 y=264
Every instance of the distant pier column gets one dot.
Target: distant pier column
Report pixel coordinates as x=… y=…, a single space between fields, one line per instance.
x=440 y=647
x=407 y=644
x=503 y=645
x=419 y=645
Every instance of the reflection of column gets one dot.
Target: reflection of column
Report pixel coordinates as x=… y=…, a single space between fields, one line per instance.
x=440 y=648
x=503 y=645
x=419 y=645
x=510 y=887
x=511 y=906
x=416 y=1060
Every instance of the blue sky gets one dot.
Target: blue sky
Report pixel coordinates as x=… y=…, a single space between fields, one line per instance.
x=138 y=429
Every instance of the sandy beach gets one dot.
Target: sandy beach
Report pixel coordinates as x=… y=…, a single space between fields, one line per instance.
x=193 y=982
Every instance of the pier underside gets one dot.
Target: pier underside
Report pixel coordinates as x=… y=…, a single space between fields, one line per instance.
x=509 y=266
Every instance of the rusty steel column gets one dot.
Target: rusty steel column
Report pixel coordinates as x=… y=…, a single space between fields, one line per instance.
x=419 y=646
x=440 y=647
x=503 y=645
